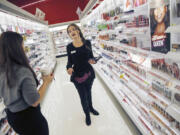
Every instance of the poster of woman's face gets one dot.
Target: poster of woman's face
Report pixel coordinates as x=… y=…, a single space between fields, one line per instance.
x=128 y=5
x=160 y=21
x=159 y=14
x=139 y=2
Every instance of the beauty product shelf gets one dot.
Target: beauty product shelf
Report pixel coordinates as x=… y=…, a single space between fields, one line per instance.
x=61 y=40
x=135 y=89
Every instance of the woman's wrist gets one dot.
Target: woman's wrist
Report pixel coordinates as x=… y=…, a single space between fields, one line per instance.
x=46 y=82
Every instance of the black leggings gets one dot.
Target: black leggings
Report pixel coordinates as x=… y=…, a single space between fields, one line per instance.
x=28 y=122
x=84 y=90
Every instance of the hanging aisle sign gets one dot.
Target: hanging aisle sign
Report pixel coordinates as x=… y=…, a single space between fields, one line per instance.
x=40 y=14
x=79 y=12
x=160 y=21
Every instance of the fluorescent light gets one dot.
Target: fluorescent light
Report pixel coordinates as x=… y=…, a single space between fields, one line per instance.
x=30 y=4
x=62 y=27
x=59 y=28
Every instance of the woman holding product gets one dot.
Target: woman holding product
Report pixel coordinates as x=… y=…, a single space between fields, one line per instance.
x=18 y=88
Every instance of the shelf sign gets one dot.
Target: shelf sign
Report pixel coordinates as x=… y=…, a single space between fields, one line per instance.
x=160 y=21
x=40 y=14
x=79 y=12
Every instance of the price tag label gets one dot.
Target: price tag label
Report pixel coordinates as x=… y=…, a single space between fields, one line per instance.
x=121 y=76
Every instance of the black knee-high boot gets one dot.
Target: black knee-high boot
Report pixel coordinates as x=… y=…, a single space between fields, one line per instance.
x=84 y=102
x=89 y=97
x=88 y=119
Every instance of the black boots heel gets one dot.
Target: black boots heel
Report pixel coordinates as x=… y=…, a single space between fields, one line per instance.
x=93 y=111
x=88 y=119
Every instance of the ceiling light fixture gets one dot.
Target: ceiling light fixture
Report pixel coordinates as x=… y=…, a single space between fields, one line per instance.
x=30 y=4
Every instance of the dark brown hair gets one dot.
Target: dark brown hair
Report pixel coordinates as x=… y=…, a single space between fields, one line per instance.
x=154 y=22
x=77 y=28
x=11 y=53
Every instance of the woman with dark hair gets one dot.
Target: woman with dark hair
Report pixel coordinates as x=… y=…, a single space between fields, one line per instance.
x=160 y=21
x=80 y=58
x=18 y=88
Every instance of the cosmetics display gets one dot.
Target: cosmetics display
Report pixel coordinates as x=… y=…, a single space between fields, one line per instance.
x=138 y=92
x=172 y=125
x=5 y=128
x=176 y=47
x=107 y=26
x=136 y=67
x=132 y=41
x=168 y=66
x=139 y=21
x=90 y=34
x=61 y=40
x=37 y=49
x=132 y=33
x=145 y=83
x=104 y=37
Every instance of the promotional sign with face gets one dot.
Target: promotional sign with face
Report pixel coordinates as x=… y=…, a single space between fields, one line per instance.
x=160 y=21
x=128 y=5
x=139 y=2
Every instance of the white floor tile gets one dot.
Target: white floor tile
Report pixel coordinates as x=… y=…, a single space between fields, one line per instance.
x=64 y=113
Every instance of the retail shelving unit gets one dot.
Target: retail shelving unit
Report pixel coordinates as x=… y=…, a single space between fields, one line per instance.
x=61 y=40
x=145 y=83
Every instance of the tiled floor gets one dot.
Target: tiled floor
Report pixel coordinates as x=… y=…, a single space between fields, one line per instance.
x=62 y=108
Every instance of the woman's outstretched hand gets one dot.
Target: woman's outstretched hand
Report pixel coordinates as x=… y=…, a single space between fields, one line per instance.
x=70 y=71
x=91 y=61
x=48 y=78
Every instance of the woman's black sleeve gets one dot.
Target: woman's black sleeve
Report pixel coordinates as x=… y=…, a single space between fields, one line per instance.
x=69 y=63
x=90 y=47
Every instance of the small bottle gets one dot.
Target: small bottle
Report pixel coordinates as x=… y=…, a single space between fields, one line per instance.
x=165 y=115
x=159 y=110
x=177 y=125
x=173 y=124
x=171 y=119
x=162 y=111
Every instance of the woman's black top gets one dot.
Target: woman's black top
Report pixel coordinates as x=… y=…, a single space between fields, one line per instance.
x=78 y=58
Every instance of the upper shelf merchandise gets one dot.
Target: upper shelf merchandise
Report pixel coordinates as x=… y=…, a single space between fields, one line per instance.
x=143 y=81
x=61 y=40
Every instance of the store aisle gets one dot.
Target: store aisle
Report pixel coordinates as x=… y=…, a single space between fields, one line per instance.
x=63 y=111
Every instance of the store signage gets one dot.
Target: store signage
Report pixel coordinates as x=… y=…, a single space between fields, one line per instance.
x=79 y=12
x=128 y=5
x=160 y=21
x=40 y=14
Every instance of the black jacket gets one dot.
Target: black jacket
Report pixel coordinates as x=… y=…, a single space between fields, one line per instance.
x=78 y=58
